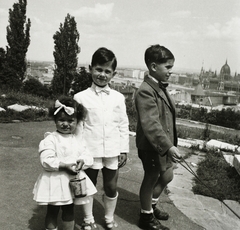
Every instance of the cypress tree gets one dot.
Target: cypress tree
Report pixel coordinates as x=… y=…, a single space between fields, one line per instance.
x=18 y=38
x=2 y=67
x=65 y=55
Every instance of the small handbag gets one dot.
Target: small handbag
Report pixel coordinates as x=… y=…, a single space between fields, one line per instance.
x=78 y=185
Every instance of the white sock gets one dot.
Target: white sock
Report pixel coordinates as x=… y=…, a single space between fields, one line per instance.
x=88 y=211
x=109 y=206
x=146 y=212
x=154 y=201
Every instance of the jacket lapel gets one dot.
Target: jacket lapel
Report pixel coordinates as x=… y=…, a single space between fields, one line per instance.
x=155 y=86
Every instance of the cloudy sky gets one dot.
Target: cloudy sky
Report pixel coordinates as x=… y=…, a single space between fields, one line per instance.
x=198 y=32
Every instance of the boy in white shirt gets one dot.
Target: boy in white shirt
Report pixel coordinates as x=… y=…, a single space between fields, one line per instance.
x=105 y=131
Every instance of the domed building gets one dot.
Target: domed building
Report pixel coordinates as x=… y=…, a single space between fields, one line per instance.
x=222 y=81
x=225 y=73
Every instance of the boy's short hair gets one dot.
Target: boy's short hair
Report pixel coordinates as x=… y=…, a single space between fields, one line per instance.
x=158 y=54
x=103 y=55
x=79 y=110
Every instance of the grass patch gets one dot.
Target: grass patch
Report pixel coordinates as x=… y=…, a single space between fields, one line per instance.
x=222 y=179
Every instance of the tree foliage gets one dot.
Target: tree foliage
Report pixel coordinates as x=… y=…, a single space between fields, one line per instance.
x=65 y=55
x=82 y=80
x=3 y=79
x=18 y=38
x=35 y=87
x=226 y=117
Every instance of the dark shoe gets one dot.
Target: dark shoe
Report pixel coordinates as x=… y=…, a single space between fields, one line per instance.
x=160 y=215
x=149 y=222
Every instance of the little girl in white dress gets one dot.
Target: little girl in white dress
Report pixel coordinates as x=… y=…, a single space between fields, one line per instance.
x=62 y=155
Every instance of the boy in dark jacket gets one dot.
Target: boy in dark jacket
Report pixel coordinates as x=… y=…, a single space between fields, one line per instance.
x=156 y=136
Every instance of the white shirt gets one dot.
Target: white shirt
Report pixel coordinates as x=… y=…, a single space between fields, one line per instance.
x=65 y=148
x=105 y=129
x=52 y=185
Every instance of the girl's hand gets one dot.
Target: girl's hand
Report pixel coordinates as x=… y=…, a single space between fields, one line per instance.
x=122 y=160
x=80 y=164
x=69 y=168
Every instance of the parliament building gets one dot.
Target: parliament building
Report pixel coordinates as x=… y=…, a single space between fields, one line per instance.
x=223 y=81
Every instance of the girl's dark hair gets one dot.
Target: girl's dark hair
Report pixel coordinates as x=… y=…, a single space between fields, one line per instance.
x=79 y=110
x=102 y=56
x=158 y=54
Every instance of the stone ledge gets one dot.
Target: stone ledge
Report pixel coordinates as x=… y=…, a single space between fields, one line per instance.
x=236 y=163
x=228 y=150
x=215 y=144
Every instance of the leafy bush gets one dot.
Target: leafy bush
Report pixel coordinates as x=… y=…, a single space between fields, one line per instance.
x=82 y=80
x=12 y=97
x=226 y=117
x=132 y=115
x=35 y=87
x=26 y=115
x=222 y=180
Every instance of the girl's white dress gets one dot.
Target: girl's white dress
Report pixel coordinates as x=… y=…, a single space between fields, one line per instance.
x=52 y=185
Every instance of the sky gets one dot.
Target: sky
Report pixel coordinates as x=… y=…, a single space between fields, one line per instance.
x=200 y=33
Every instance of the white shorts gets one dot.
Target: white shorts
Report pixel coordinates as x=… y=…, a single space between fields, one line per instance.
x=107 y=162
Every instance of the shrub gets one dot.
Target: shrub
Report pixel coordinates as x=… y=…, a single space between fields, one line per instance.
x=26 y=115
x=35 y=87
x=132 y=115
x=226 y=117
x=222 y=180
x=12 y=97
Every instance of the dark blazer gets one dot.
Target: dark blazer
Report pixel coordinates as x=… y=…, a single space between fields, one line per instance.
x=156 y=126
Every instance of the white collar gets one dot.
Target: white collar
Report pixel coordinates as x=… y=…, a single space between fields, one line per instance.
x=154 y=79
x=97 y=89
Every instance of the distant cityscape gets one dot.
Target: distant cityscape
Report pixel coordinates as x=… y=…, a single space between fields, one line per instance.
x=205 y=88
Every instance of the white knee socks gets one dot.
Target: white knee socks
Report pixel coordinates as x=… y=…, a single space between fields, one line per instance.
x=109 y=206
x=88 y=211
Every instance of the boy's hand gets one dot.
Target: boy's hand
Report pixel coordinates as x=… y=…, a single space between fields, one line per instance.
x=80 y=164
x=175 y=154
x=122 y=159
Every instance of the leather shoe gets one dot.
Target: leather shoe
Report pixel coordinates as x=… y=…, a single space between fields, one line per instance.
x=160 y=215
x=149 y=222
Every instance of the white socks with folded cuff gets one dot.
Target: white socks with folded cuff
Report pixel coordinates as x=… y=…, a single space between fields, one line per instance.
x=88 y=211
x=109 y=206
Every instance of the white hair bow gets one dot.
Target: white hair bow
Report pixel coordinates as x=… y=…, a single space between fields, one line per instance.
x=67 y=109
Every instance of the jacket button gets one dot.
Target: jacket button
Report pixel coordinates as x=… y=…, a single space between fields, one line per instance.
x=159 y=148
